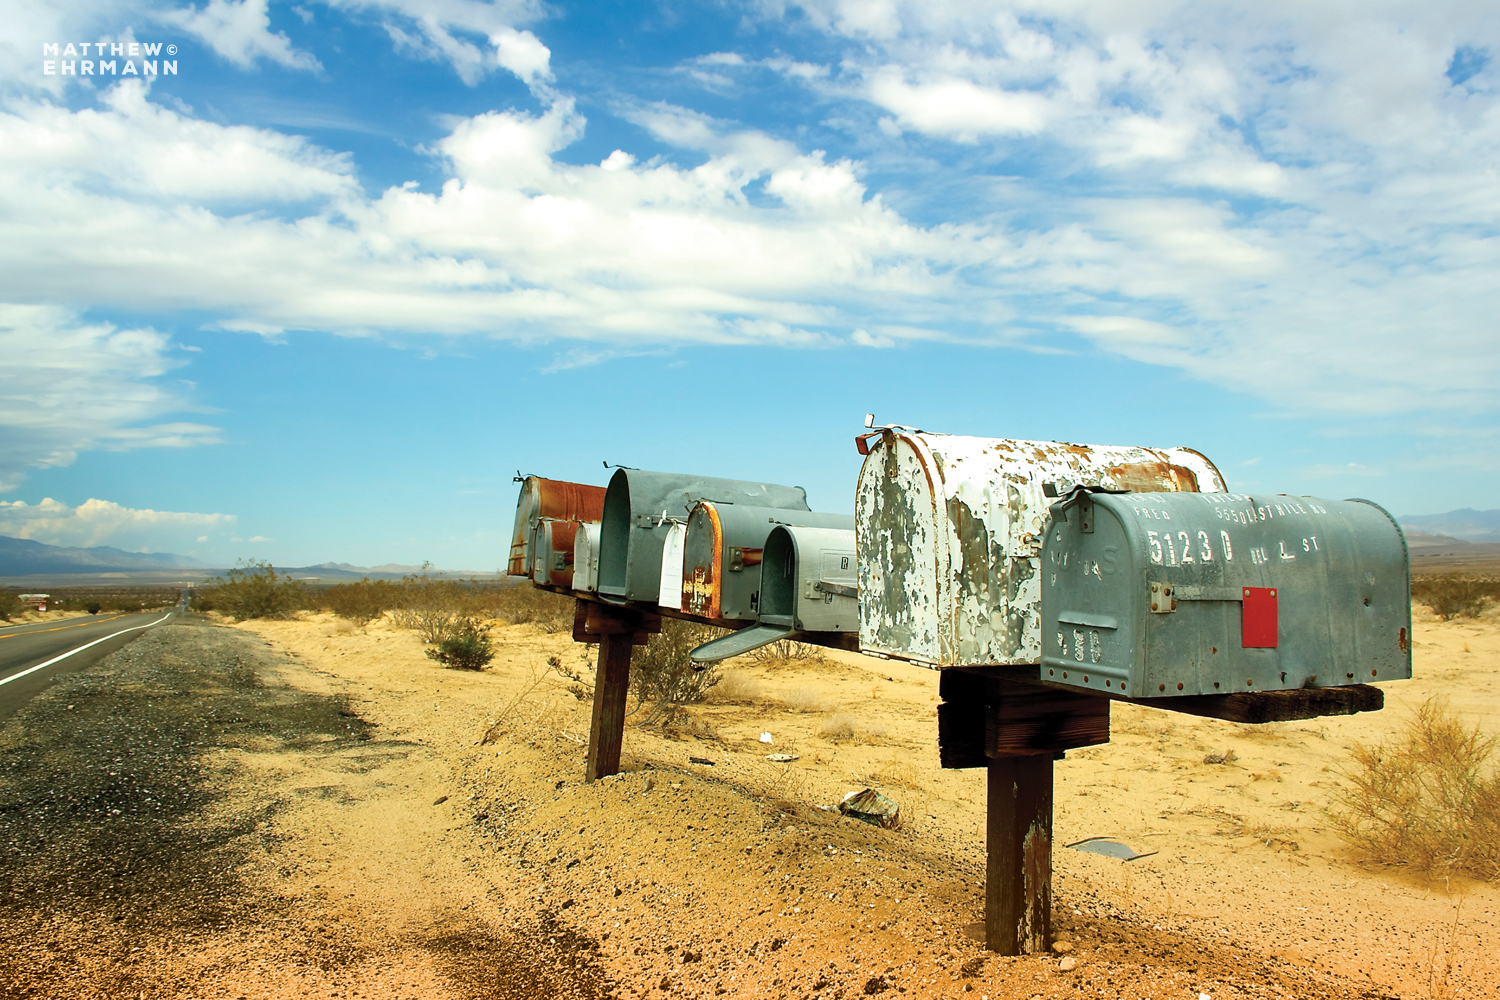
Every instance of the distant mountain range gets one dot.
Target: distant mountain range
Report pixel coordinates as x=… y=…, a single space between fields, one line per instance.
x=1467 y=525
x=21 y=557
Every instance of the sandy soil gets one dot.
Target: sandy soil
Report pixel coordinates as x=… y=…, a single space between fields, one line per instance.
x=738 y=878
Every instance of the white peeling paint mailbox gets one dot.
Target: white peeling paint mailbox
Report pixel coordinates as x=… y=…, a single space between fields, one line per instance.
x=950 y=533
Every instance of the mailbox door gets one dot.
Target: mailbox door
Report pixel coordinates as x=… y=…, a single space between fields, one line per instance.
x=586 y=558
x=702 y=567
x=669 y=590
x=1216 y=594
x=639 y=508
x=950 y=534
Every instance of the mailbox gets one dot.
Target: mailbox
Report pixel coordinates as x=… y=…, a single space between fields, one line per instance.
x=722 y=553
x=553 y=552
x=553 y=499
x=586 y=558
x=808 y=579
x=950 y=534
x=639 y=511
x=1165 y=595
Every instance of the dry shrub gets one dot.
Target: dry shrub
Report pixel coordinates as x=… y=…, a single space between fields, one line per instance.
x=528 y=605
x=1429 y=800
x=806 y=700
x=1453 y=595
x=663 y=675
x=736 y=687
x=837 y=727
x=785 y=651
x=362 y=602
x=252 y=590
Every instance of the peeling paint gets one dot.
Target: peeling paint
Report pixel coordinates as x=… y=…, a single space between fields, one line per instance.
x=950 y=535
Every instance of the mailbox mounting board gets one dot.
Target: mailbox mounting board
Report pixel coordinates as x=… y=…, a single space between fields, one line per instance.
x=1165 y=595
x=950 y=536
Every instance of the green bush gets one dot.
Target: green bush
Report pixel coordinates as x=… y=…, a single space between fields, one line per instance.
x=467 y=647
x=9 y=604
x=662 y=674
x=93 y=607
x=1454 y=595
x=252 y=590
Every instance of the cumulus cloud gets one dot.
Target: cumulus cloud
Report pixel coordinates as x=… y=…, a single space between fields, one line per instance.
x=240 y=32
x=101 y=522
x=474 y=37
x=68 y=386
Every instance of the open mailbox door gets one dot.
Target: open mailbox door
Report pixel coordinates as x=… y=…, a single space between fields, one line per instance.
x=808 y=584
x=1170 y=595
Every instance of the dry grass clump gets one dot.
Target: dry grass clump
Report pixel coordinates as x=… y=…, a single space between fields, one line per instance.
x=806 y=700
x=1453 y=595
x=842 y=727
x=525 y=604
x=736 y=687
x=1428 y=800
x=785 y=651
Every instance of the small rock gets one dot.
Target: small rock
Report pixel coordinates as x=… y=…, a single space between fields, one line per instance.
x=440 y=800
x=1068 y=964
x=1062 y=947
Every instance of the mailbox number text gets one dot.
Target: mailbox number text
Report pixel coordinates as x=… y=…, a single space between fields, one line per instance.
x=1165 y=546
x=1086 y=646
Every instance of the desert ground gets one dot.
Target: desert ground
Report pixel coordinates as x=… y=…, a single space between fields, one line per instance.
x=430 y=836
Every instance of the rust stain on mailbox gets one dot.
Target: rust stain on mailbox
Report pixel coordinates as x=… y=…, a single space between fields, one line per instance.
x=950 y=531
x=549 y=499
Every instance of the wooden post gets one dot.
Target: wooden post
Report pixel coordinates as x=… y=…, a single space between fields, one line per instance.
x=611 y=685
x=1018 y=872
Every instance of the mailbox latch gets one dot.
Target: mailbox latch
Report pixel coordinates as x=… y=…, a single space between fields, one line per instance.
x=1162 y=601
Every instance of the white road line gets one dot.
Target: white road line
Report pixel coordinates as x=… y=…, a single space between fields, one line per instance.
x=64 y=656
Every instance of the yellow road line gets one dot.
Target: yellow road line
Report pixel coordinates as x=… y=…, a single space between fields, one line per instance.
x=59 y=628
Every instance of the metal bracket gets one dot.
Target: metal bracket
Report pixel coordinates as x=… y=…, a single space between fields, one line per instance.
x=834 y=588
x=1162 y=601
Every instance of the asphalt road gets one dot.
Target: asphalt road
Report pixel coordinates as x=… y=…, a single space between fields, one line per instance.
x=33 y=656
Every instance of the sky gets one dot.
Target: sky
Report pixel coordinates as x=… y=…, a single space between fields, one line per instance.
x=313 y=282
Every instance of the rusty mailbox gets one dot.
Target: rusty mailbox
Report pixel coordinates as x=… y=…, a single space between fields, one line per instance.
x=553 y=500
x=1167 y=595
x=950 y=535
x=808 y=579
x=640 y=509
x=722 y=555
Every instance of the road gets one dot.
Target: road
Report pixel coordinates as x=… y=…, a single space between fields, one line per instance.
x=33 y=656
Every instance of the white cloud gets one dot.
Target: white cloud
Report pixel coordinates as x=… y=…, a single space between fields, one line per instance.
x=240 y=32
x=101 y=522
x=472 y=36
x=68 y=386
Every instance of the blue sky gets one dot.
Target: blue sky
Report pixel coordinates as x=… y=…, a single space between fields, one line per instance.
x=321 y=292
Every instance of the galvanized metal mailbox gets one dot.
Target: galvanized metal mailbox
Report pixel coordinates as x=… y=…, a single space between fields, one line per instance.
x=1166 y=595
x=553 y=551
x=722 y=555
x=552 y=499
x=808 y=580
x=950 y=534
x=639 y=510
x=586 y=558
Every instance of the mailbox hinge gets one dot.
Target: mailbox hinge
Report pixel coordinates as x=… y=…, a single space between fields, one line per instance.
x=1162 y=601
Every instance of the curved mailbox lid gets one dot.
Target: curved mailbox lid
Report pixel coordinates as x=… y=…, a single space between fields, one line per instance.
x=1250 y=593
x=808 y=581
x=586 y=558
x=550 y=498
x=950 y=534
x=721 y=566
x=631 y=533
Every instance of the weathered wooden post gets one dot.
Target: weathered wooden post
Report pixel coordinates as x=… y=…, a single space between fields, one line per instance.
x=617 y=631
